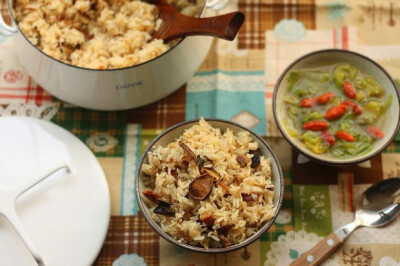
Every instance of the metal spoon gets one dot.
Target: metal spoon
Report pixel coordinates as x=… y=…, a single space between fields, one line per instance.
x=7 y=209
x=378 y=205
x=175 y=25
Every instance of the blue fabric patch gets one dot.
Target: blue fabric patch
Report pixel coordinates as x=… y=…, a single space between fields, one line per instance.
x=129 y=203
x=226 y=105
x=289 y=30
x=336 y=11
x=129 y=259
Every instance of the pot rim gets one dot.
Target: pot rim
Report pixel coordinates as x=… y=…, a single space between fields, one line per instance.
x=92 y=69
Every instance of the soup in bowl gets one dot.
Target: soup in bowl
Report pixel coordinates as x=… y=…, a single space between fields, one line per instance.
x=337 y=106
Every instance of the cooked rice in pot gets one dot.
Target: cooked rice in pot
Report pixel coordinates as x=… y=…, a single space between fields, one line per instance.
x=97 y=34
x=241 y=197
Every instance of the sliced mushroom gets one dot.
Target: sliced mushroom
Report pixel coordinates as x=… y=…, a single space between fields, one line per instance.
x=187 y=214
x=207 y=218
x=223 y=230
x=163 y=209
x=211 y=172
x=248 y=197
x=189 y=154
x=255 y=161
x=151 y=195
x=164 y=204
x=242 y=160
x=174 y=172
x=184 y=166
x=201 y=187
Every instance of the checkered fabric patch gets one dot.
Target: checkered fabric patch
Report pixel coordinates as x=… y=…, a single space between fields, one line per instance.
x=161 y=114
x=129 y=235
x=97 y=128
x=262 y=15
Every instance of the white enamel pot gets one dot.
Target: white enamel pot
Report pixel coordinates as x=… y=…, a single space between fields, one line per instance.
x=112 y=89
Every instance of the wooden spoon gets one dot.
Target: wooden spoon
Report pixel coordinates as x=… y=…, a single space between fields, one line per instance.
x=175 y=25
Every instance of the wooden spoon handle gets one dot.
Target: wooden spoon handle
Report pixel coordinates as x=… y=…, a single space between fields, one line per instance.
x=223 y=26
x=319 y=252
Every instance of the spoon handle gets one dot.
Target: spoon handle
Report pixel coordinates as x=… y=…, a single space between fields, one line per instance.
x=223 y=26
x=320 y=251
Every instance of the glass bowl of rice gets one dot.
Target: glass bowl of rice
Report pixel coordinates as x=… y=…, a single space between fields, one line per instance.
x=210 y=185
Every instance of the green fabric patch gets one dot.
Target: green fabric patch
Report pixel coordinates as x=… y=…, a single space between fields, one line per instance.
x=147 y=136
x=85 y=123
x=312 y=209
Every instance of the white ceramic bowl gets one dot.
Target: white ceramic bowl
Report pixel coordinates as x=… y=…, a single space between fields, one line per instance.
x=170 y=135
x=390 y=124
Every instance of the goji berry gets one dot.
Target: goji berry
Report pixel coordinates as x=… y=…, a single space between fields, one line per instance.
x=373 y=131
x=349 y=90
x=327 y=137
x=336 y=112
x=307 y=102
x=344 y=136
x=325 y=97
x=315 y=125
x=355 y=107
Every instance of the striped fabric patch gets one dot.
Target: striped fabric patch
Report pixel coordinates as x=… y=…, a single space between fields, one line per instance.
x=234 y=81
x=279 y=54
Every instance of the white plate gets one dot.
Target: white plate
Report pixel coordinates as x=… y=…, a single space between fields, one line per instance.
x=67 y=215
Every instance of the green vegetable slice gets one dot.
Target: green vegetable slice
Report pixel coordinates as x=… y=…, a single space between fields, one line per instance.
x=344 y=72
x=317 y=76
x=369 y=86
x=313 y=141
x=312 y=116
x=292 y=78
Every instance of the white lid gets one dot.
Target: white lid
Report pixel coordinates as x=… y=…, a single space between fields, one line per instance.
x=67 y=215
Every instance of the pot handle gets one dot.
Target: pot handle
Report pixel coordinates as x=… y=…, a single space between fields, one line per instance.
x=217 y=4
x=7 y=30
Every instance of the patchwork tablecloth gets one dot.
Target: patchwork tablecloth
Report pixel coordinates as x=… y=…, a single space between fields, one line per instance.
x=236 y=82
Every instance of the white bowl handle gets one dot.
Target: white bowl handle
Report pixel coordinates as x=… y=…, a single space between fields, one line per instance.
x=7 y=30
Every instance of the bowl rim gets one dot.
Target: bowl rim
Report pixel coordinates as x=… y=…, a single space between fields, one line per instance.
x=248 y=240
x=315 y=157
